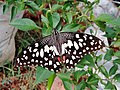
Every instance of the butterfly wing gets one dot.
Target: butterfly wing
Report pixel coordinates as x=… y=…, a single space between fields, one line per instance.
x=40 y=53
x=77 y=46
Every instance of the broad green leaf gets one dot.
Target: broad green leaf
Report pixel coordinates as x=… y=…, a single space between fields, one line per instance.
x=99 y=58
x=113 y=70
x=50 y=81
x=42 y=74
x=71 y=27
x=64 y=76
x=117 y=43
x=46 y=31
x=13 y=13
x=78 y=74
x=56 y=7
x=103 y=71
x=32 y=5
x=108 y=55
x=67 y=85
x=116 y=61
x=101 y=24
x=5 y=8
x=49 y=17
x=69 y=17
x=104 y=18
x=114 y=22
x=110 y=33
x=55 y=19
x=92 y=80
x=92 y=87
x=109 y=86
x=81 y=85
x=117 y=77
x=89 y=58
x=24 y=24
x=45 y=20
x=117 y=54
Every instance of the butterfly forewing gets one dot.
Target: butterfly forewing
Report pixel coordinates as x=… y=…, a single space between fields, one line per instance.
x=65 y=50
x=40 y=54
x=78 y=46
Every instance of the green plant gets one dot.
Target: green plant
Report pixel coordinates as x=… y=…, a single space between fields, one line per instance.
x=68 y=17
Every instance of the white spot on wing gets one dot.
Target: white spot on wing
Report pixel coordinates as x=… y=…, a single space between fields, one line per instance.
x=55 y=50
x=73 y=57
x=24 y=52
x=46 y=48
x=80 y=44
x=91 y=37
x=71 y=62
x=50 y=62
x=67 y=61
x=32 y=60
x=55 y=65
x=35 y=50
x=26 y=57
x=81 y=40
x=18 y=60
x=37 y=54
x=77 y=36
x=36 y=44
x=76 y=45
x=91 y=43
x=41 y=53
x=63 y=47
x=70 y=43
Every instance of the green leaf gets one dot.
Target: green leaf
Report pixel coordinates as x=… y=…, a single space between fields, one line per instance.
x=109 y=86
x=117 y=43
x=32 y=5
x=117 y=77
x=117 y=54
x=13 y=13
x=116 y=61
x=5 y=8
x=99 y=58
x=101 y=24
x=81 y=85
x=92 y=80
x=50 y=81
x=110 y=32
x=56 y=7
x=46 y=31
x=64 y=76
x=55 y=19
x=69 y=17
x=108 y=55
x=114 y=22
x=42 y=74
x=67 y=85
x=49 y=17
x=24 y=24
x=71 y=27
x=78 y=74
x=89 y=58
x=45 y=20
x=103 y=71
x=92 y=87
x=113 y=70
x=104 y=18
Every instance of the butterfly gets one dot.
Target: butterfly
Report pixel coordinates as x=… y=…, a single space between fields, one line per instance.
x=58 y=50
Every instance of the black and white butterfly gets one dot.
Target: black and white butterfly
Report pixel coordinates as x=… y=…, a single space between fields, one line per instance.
x=58 y=50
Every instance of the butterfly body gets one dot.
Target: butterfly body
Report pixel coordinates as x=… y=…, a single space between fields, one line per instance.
x=58 y=50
